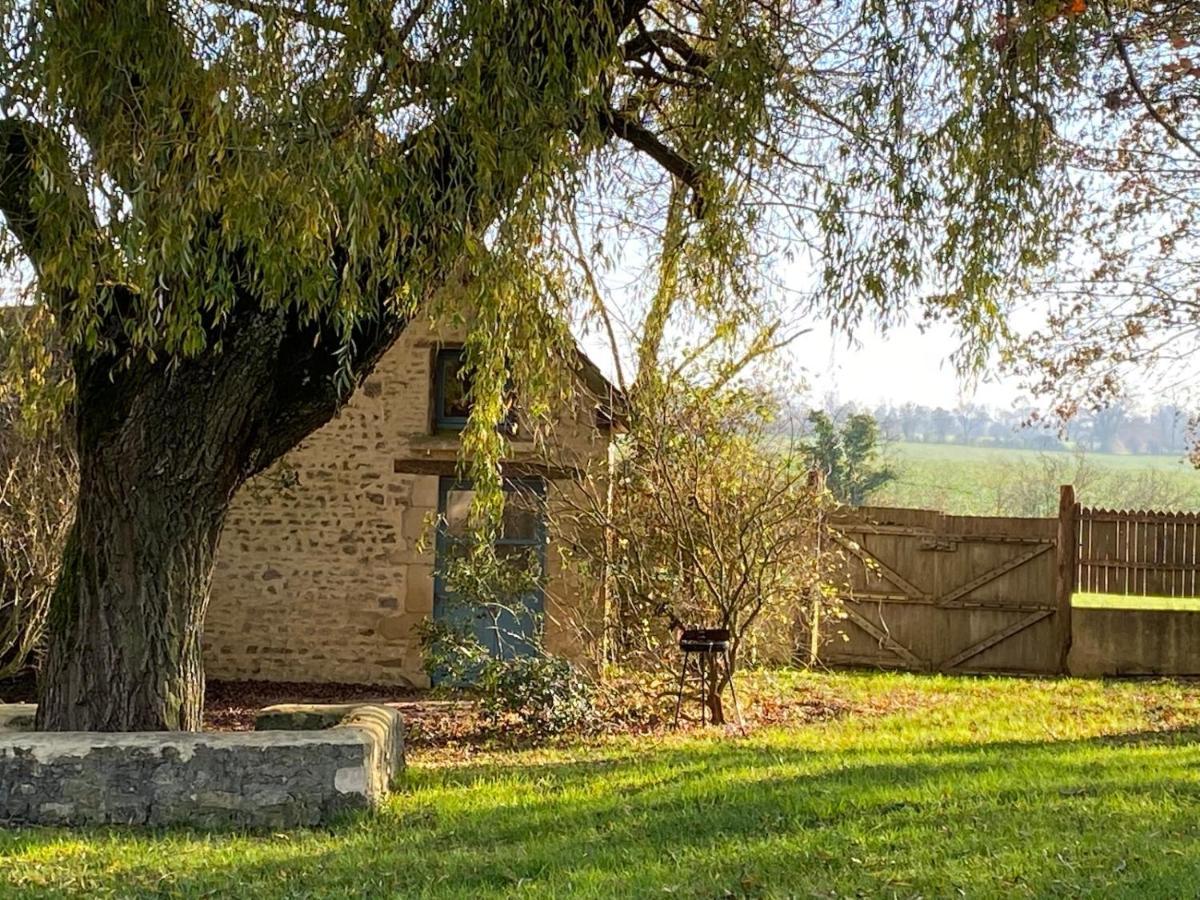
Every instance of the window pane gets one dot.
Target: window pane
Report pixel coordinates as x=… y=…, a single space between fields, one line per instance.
x=523 y=558
x=455 y=386
x=522 y=515
x=458 y=511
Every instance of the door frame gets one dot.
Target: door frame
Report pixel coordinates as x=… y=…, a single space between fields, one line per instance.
x=535 y=485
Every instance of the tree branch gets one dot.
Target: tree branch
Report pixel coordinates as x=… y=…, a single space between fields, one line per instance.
x=306 y=16
x=392 y=40
x=598 y=301
x=143 y=91
x=659 y=39
x=46 y=215
x=1169 y=127
x=624 y=126
x=764 y=344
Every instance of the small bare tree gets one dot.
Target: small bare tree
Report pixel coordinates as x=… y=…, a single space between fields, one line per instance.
x=38 y=483
x=710 y=522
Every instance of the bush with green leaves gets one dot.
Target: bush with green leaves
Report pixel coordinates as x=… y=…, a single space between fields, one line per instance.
x=527 y=698
x=847 y=453
x=535 y=697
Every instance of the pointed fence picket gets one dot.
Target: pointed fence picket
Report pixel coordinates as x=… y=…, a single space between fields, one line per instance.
x=1148 y=553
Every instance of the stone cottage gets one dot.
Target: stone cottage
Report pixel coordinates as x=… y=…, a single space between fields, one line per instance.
x=326 y=573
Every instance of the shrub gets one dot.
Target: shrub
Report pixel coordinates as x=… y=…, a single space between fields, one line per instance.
x=526 y=698
x=522 y=697
x=535 y=697
x=707 y=517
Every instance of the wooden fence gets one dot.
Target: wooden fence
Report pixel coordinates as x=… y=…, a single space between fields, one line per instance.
x=929 y=592
x=1137 y=552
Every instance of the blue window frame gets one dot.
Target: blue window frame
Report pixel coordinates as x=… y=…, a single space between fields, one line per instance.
x=452 y=395
x=451 y=390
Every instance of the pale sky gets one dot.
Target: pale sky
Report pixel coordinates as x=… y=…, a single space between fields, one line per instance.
x=907 y=363
x=904 y=365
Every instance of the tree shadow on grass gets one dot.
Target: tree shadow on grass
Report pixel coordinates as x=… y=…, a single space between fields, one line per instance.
x=1105 y=816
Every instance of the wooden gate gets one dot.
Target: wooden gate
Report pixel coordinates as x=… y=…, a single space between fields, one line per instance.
x=931 y=592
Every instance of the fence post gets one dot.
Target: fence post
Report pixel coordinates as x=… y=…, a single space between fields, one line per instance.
x=1067 y=552
x=611 y=619
x=816 y=483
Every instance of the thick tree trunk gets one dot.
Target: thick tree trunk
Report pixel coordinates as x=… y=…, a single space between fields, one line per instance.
x=162 y=449
x=128 y=613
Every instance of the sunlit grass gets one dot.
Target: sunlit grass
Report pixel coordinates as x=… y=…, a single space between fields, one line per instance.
x=930 y=786
x=1119 y=601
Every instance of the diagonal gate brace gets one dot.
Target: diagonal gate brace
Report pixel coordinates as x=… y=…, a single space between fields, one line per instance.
x=885 y=639
x=994 y=638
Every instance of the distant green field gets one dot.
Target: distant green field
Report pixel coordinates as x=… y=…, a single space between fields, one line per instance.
x=985 y=481
x=989 y=455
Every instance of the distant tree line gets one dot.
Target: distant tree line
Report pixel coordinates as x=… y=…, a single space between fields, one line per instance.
x=1166 y=429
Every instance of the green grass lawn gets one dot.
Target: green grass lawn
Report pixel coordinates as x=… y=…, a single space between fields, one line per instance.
x=1117 y=601
x=922 y=786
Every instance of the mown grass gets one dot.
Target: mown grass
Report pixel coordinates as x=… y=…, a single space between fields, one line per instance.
x=1120 y=601
x=929 y=786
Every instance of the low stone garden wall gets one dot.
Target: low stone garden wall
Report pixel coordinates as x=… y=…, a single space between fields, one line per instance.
x=341 y=758
x=1134 y=642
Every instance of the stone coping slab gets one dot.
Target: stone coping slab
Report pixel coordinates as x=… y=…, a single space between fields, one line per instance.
x=259 y=779
x=17 y=716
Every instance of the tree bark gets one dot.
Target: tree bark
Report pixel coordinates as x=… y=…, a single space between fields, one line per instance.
x=162 y=450
x=130 y=603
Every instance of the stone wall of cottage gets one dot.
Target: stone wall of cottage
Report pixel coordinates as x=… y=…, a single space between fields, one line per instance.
x=325 y=567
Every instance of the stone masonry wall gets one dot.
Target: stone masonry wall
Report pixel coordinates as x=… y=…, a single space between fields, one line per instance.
x=328 y=579
x=262 y=779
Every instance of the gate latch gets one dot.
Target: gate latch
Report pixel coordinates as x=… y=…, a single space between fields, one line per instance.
x=939 y=545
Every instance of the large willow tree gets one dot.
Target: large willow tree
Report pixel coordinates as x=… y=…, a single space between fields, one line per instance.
x=232 y=208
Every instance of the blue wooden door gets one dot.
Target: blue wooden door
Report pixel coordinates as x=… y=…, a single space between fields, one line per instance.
x=512 y=629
